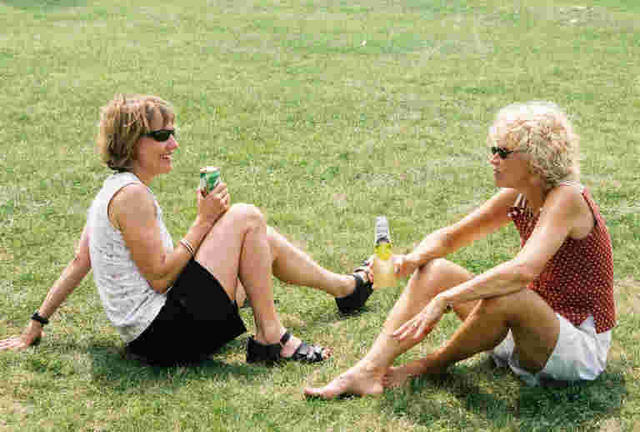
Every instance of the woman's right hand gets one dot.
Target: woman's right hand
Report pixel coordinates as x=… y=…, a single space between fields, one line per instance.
x=214 y=204
x=30 y=336
x=404 y=265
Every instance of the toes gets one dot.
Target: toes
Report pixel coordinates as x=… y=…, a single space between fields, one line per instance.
x=318 y=392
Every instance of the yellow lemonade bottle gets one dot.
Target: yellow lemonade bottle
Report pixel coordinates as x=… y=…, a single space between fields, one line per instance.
x=383 y=274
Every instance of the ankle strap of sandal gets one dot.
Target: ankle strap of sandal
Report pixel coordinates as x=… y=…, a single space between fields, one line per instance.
x=285 y=338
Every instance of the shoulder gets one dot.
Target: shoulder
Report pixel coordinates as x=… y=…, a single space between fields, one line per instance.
x=133 y=191
x=566 y=196
x=132 y=198
x=565 y=202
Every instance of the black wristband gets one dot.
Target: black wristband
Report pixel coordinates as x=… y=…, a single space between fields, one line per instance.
x=42 y=320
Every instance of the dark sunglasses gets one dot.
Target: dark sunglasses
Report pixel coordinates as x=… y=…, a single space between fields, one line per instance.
x=503 y=153
x=161 y=135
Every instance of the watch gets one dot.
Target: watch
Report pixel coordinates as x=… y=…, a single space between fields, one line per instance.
x=42 y=320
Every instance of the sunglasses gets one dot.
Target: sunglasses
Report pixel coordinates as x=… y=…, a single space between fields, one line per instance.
x=503 y=153
x=161 y=135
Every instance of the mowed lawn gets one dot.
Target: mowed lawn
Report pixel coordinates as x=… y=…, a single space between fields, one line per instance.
x=324 y=114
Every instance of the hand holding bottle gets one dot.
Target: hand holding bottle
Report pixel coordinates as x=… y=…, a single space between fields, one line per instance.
x=404 y=265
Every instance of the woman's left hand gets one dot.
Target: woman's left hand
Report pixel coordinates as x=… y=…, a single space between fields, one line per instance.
x=423 y=322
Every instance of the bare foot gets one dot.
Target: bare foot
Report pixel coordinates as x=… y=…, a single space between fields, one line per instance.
x=399 y=376
x=355 y=381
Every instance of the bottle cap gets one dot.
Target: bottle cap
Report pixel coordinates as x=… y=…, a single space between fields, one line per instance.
x=382 y=230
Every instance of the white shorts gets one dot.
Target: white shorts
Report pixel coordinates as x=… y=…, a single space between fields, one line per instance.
x=580 y=354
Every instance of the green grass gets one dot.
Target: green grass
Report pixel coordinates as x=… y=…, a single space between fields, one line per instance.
x=323 y=132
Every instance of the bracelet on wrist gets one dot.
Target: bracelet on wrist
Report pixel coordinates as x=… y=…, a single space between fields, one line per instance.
x=188 y=246
x=37 y=317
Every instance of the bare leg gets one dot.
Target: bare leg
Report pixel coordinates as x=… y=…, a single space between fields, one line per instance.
x=366 y=377
x=245 y=253
x=533 y=323
x=237 y=245
x=292 y=265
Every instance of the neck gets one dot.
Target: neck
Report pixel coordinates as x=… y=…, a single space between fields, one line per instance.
x=535 y=195
x=146 y=179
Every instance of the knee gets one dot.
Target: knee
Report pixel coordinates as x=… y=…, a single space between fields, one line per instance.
x=443 y=274
x=438 y=266
x=505 y=305
x=247 y=214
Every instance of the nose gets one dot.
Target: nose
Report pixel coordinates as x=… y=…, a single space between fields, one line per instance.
x=172 y=143
x=494 y=159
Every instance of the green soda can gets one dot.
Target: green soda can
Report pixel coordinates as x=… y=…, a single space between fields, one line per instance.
x=209 y=178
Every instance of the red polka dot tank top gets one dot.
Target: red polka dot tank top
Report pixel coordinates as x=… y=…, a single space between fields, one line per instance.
x=578 y=280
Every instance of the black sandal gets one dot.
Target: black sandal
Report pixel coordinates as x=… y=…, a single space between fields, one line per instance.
x=305 y=353
x=257 y=352
x=270 y=353
x=364 y=287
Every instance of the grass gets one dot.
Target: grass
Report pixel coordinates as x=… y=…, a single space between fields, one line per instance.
x=324 y=114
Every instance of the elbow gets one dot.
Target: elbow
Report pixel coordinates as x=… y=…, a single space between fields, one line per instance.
x=159 y=285
x=523 y=274
x=447 y=240
x=82 y=260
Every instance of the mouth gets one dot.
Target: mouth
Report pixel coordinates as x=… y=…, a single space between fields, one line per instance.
x=166 y=157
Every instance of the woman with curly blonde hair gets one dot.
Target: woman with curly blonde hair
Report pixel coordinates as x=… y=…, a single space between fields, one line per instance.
x=548 y=312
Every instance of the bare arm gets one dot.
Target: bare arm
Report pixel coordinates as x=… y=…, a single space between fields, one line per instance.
x=69 y=279
x=560 y=215
x=482 y=221
x=132 y=210
x=562 y=212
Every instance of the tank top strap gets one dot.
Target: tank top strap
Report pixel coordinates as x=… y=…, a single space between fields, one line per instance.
x=595 y=210
x=575 y=183
x=520 y=202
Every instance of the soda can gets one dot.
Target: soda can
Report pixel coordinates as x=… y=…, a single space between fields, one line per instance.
x=209 y=178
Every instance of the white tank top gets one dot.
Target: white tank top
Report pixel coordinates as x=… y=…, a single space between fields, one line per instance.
x=128 y=300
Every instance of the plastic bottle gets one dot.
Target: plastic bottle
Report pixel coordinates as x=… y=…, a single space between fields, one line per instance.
x=383 y=274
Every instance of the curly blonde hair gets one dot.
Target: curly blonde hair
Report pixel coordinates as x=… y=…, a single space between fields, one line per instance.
x=542 y=130
x=122 y=122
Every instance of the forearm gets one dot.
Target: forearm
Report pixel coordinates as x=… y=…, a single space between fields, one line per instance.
x=438 y=244
x=69 y=279
x=176 y=261
x=503 y=279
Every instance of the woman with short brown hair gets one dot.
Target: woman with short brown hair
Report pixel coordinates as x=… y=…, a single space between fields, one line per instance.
x=177 y=304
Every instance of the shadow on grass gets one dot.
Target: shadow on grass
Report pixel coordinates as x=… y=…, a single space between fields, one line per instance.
x=479 y=397
x=111 y=368
x=46 y=5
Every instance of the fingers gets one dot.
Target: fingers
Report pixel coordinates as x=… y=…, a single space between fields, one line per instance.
x=220 y=189
x=218 y=200
x=217 y=192
x=220 y=193
x=416 y=328
x=397 y=261
x=409 y=329
x=11 y=343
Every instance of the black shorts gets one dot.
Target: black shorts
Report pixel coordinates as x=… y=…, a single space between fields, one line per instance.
x=197 y=319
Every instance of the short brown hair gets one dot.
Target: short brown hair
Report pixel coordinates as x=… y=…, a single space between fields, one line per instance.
x=122 y=122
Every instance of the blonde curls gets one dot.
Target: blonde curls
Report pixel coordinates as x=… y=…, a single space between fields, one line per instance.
x=542 y=130
x=122 y=122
